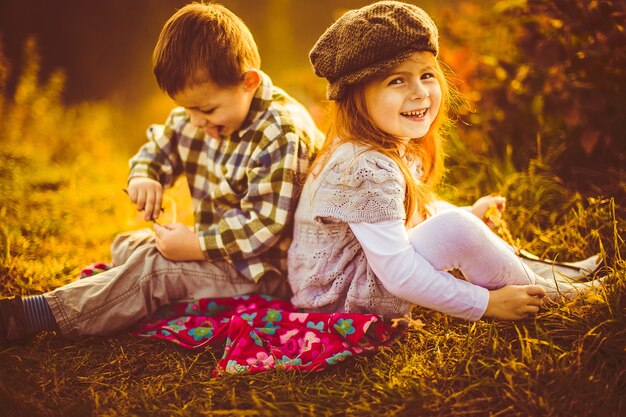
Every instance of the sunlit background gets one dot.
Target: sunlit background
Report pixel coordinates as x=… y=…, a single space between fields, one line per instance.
x=104 y=47
x=541 y=79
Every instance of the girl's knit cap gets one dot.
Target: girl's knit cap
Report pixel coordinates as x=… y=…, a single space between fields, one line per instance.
x=370 y=40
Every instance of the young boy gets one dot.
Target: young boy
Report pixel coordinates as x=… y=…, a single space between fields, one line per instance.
x=244 y=147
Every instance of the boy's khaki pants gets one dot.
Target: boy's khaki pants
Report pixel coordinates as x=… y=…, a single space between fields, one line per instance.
x=142 y=280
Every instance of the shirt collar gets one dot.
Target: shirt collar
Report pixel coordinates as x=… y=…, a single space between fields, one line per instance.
x=259 y=105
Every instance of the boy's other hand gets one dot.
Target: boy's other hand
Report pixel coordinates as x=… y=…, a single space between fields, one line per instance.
x=514 y=302
x=177 y=242
x=481 y=206
x=147 y=195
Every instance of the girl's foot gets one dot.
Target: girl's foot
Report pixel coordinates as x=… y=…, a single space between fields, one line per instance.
x=560 y=288
x=569 y=271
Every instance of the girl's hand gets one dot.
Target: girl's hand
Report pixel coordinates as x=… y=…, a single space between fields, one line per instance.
x=177 y=242
x=147 y=195
x=482 y=205
x=514 y=302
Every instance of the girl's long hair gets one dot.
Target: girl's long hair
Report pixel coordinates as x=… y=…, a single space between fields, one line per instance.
x=350 y=122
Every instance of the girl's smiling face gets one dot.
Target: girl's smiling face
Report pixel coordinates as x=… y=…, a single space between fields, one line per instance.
x=405 y=100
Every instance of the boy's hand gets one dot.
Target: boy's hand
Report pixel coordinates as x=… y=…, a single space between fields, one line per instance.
x=481 y=206
x=514 y=302
x=177 y=242
x=147 y=194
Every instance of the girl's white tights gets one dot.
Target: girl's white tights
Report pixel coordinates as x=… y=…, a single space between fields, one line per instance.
x=457 y=239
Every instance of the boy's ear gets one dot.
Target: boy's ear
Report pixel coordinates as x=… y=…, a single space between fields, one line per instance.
x=251 y=80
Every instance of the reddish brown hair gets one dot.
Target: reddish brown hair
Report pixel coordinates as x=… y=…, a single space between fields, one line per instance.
x=200 y=43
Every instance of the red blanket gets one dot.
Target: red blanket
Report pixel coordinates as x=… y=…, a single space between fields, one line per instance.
x=259 y=333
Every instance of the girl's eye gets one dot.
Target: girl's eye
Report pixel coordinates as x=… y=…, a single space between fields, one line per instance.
x=207 y=111
x=427 y=75
x=396 y=81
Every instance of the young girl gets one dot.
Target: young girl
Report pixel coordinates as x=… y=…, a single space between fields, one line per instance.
x=369 y=235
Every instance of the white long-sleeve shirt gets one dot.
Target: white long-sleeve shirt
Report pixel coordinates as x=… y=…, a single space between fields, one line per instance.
x=407 y=275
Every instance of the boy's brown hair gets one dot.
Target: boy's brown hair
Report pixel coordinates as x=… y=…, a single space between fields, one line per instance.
x=200 y=43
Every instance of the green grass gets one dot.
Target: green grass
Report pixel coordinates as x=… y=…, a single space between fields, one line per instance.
x=61 y=204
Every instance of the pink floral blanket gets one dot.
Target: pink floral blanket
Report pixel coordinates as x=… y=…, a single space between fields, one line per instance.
x=259 y=333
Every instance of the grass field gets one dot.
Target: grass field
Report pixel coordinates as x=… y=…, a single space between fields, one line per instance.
x=62 y=171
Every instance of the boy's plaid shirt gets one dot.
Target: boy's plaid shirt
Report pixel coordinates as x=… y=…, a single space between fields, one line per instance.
x=245 y=187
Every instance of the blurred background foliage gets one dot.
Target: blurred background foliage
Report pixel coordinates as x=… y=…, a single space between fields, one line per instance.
x=543 y=82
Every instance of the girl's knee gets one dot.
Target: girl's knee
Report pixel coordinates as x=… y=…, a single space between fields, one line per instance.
x=462 y=232
x=460 y=223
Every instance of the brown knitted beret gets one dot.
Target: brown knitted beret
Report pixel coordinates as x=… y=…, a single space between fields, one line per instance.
x=370 y=40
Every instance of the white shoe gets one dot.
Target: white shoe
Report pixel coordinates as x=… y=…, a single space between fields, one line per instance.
x=571 y=271
x=559 y=288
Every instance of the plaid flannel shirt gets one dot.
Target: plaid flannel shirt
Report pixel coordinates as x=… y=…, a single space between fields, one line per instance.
x=245 y=187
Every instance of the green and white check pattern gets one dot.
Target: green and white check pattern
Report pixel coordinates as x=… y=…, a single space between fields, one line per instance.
x=245 y=187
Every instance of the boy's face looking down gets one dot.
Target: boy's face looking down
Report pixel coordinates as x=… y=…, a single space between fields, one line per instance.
x=219 y=111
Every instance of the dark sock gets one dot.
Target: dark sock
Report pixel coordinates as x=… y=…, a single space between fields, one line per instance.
x=38 y=314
